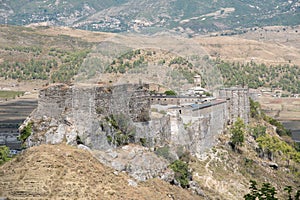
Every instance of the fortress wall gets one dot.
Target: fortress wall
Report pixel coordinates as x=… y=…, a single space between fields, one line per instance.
x=52 y=100
x=70 y=111
x=205 y=126
x=237 y=103
x=65 y=112
x=131 y=100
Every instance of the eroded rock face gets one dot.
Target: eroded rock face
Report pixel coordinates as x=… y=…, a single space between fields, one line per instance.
x=138 y=161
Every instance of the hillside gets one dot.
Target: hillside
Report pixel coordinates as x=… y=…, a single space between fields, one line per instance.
x=223 y=172
x=41 y=55
x=64 y=172
x=191 y=17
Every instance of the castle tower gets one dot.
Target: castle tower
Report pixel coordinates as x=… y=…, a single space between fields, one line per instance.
x=197 y=80
x=238 y=104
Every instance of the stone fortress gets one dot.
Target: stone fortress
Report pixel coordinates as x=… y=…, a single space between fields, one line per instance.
x=104 y=117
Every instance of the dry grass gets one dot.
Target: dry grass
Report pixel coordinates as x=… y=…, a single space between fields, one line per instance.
x=64 y=172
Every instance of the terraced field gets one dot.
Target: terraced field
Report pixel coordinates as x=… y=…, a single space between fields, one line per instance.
x=12 y=114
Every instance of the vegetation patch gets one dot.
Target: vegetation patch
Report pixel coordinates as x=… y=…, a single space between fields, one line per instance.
x=268 y=192
x=165 y=153
x=122 y=131
x=237 y=133
x=273 y=145
x=4 y=154
x=285 y=77
x=182 y=173
x=25 y=132
x=10 y=94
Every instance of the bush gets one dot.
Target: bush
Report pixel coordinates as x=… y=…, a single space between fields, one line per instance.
x=4 y=152
x=182 y=174
x=170 y=93
x=267 y=191
x=280 y=129
x=258 y=131
x=254 y=109
x=274 y=145
x=237 y=133
x=25 y=132
x=123 y=130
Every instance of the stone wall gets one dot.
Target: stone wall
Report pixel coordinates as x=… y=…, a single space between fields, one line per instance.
x=203 y=126
x=238 y=104
x=195 y=129
x=89 y=113
x=65 y=113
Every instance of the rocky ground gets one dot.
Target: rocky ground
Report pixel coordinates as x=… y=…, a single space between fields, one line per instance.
x=64 y=172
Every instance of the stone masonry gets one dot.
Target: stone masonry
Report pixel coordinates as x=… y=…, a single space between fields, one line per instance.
x=69 y=113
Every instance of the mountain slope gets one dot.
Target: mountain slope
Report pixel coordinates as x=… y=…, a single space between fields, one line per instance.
x=64 y=172
x=193 y=16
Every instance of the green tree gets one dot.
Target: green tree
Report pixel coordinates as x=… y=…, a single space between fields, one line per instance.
x=254 y=109
x=266 y=192
x=237 y=133
x=253 y=191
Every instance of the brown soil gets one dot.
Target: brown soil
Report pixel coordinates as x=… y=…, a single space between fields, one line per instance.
x=88 y=36
x=64 y=172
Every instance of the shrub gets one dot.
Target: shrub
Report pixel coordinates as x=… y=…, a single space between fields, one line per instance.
x=170 y=93
x=258 y=131
x=143 y=141
x=182 y=174
x=25 y=132
x=267 y=191
x=4 y=152
x=237 y=133
x=123 y=130
x=254 y=109
x=274 y=145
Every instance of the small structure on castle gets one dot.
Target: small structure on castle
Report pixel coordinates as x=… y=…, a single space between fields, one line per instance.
x=197 y=89
x=197 y=80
